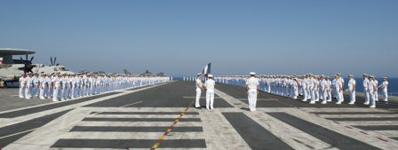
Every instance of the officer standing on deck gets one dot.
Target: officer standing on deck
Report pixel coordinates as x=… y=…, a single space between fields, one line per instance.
x=29 y=85
x=366 y=89
x=22 y=86
x=351 y=88
x=384 y=87
x=372 y=90
x=199 y=87
x=209 y=84
x=252 y=85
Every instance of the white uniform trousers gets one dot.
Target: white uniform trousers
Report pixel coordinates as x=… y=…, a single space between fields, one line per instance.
x=209 y=99
x=352 y=96
x=305 y=95
x=313 y=98
x=341 y=96
x=252 y=98
x=366 y=95
x=198 y=94
x=55 y=93
x=329 y=95
x=28 y=94
x=385 y=95
x=41 y=92
x=372 y=97
x=22 y=91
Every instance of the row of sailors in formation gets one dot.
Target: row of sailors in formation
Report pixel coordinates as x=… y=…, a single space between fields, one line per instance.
x=63 y=87
x=315 y=88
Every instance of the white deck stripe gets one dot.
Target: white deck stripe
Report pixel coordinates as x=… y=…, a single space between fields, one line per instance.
x=143 y=116
x=368 y=123
x=370 y=138
x=127 y=149
x=137 y=124
x=292 y=136
x=357 y=115
x=219 y=133
x=10 y=135
x=132 y=135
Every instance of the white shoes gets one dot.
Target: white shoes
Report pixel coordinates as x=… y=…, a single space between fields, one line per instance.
x=324 y=102
x=366 y=103
x=338 y=103
x=312 y=102
x=372 y=106
x=352 y=102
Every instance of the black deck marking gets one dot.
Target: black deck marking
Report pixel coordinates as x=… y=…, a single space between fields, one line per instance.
x=365 y=119
x=395 y=138
x=24 y=126
x=142 y=119
x=254 y=134
x=133 y=129
x=146 y=113
x=328 y=136
x=353 y=113
x=377 y=127
x=98 y=143
x=32 y=110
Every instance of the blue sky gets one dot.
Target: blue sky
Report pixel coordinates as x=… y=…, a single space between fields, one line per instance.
x=180 y=37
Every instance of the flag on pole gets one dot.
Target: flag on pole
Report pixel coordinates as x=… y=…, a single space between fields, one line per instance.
x=207 y=69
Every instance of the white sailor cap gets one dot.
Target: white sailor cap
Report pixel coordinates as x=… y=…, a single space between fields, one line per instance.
x=210 y=75
x=252 y=73
x=350 y=75
x=384 y=77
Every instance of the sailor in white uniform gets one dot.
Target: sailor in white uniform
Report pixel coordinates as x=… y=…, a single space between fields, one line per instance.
x=29 y=86
x=372 y=90
x=384 y=87
x=341 y=89
x=377 y=89
x=209 y=84
x=324 y=90
x=22 y=86
x=43 y=86
x=252 y=85
x=329 y=89
x=36 y=84
x=351 y=88
x=311 y=86
x=296 y=88
x=47 y=92
x=199 y=87
x=57 y=86
x=366 y=89
x=304 y=85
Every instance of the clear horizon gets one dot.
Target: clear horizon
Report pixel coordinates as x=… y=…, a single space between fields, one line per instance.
x=180 y=37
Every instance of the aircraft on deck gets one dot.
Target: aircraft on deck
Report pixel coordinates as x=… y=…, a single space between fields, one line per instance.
x=12 y=69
